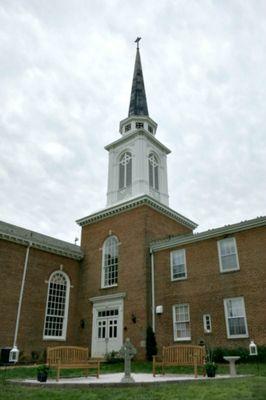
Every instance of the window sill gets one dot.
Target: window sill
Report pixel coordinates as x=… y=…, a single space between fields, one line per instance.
x=238 y=336
x=183 y=339
x=179 y=279
x=109 y=287
x=229 y=270
x=54 y=338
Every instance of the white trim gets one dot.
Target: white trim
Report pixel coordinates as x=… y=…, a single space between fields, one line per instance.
x=67 y=299
x=134 y=203
x=220 y=256
x=101 y=304
x=114 y=296
x=103 y=286
x=183 y=339
x=205 y=316
x=244 y=316
x=171 y=265
x=211 y=233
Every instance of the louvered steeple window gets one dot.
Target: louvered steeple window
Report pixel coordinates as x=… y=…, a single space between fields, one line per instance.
x=125 y=170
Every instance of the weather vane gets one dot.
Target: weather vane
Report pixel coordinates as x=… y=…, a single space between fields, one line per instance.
x=137 y=41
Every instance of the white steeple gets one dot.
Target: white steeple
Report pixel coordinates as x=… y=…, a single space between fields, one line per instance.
x=137 y=161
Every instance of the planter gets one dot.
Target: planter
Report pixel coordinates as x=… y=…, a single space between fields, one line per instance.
x=42 y=376
x=210 y=373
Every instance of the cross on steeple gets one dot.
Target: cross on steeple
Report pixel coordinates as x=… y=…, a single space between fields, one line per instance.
x=137 y=41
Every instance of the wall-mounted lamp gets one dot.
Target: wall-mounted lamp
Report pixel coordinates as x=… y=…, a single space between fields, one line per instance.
x=82 y=324
x=253 y=350
x=133 y=318
x=159 y=310
x=14 y=354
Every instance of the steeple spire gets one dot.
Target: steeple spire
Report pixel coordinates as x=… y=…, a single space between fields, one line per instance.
x=138 y=102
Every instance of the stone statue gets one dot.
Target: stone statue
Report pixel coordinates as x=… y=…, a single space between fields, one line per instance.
x=127 y=352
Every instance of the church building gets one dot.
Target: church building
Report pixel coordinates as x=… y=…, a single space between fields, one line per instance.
x=139 y=264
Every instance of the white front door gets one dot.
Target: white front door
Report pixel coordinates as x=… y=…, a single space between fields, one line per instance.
x=107 y=332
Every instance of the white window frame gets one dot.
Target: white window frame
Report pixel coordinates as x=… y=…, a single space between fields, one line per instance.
x=222 y=270
x=206 y=323
x=176 y=338
x=103 y=286
x=65 y=320
x=125 y=161
x=229 y=336
x=183 y=251
x=153 y=165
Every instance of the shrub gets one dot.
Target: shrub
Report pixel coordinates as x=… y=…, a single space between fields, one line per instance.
x=151 y=345
x=113 y=358
x=219 y=352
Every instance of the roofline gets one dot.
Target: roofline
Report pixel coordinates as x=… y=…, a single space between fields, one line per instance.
x=38 y=244
x=138 y=132
x=212 y=233
x=134 y=203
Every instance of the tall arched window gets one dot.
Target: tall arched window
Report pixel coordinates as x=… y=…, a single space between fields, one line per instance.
x=153 y=172
x=125 y=170
x=55 y=324
x=110 y=262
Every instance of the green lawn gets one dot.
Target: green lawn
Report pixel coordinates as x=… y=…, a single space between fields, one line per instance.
x=250 y=388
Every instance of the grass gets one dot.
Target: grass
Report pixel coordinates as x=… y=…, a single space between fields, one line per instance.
x=249 y=388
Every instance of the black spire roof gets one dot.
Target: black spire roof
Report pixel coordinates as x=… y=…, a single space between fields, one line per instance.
x=138 y=102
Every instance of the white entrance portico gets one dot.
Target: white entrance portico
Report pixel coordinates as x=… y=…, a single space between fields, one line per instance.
x=107 y=324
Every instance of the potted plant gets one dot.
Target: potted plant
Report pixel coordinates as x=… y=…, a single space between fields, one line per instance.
x=210 y=368
x=42 y=373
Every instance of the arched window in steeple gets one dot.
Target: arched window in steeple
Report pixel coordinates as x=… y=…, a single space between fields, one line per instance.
x=55 y=324
x=110 y=262
x=125 y=170
x=153 y=172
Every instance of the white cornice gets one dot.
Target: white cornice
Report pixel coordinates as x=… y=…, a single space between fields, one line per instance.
x=107 y=297
x=38 y=241
x=212 y=233
x=138 y=132
x=133 y=203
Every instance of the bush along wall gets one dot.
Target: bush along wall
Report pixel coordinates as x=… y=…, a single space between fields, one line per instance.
x=219 y=352
x=151 y=345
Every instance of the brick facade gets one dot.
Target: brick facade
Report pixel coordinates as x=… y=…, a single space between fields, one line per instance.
x=206 y=287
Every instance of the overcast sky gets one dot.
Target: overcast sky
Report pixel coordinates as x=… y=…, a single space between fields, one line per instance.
x=66 y=70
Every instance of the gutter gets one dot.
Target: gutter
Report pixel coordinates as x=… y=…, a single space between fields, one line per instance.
x=21 y=294
x=152 y=291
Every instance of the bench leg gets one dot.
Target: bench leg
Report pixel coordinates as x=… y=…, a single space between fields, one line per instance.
x=98 y=371
x=58 y=374
x=195 y=370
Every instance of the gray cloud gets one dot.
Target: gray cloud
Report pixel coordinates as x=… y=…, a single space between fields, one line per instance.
x=66 y=70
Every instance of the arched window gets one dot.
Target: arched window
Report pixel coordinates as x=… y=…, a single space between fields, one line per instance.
x=153 y=172
x=125 y=170
x=55 y=324
x=110 y=262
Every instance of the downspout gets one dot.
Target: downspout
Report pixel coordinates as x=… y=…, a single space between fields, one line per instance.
x=152 y=291
x=21 y=295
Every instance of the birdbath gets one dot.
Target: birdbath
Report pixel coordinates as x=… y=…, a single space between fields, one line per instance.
x=127 y=352
x=232 y=364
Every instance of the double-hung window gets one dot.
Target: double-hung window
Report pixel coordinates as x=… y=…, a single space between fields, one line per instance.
x=228 y=257
x=178 y=265
x=235 y=317
x=181 y=322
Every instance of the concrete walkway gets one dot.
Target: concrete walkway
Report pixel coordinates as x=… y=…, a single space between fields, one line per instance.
x=115 y=380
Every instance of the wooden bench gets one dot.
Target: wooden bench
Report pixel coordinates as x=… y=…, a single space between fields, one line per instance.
x=181 y=355
x=68 y=357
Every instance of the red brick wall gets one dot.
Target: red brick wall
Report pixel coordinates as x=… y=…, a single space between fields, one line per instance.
x=205 y=288
x=41 y=265
x=134 y=229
